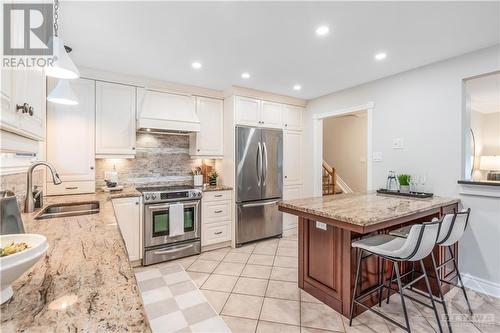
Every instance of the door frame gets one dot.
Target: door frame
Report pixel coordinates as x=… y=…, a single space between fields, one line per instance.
x=318 y=143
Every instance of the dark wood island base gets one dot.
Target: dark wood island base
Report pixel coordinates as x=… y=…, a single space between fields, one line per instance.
x=327 y=227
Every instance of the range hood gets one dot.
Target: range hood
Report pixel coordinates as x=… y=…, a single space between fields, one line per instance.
x=165 y=112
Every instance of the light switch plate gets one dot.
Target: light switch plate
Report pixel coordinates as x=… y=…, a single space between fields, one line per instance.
x=321 y=225
x=377 y=156
x=398 y=143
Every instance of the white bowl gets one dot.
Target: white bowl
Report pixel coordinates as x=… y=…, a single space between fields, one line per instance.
x=14 y=265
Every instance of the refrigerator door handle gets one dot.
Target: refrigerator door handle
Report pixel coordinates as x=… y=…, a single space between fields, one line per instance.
x=258 y=163
x=264 y=167
x=260 y=204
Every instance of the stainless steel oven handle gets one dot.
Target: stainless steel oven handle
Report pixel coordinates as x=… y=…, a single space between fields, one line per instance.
x=261 y=204
x=159 y=206
x=174 y=250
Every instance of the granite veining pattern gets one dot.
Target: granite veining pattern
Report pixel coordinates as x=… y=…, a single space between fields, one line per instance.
x=213 y=188
x=84 y=283
x=364 y=209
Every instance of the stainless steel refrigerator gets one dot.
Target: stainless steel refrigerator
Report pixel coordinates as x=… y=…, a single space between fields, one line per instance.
x=259 y=183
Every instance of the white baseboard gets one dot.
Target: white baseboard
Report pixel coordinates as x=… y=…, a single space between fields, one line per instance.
x=481 y=285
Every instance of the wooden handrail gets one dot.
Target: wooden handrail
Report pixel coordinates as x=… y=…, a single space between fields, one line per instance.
x=329 y=179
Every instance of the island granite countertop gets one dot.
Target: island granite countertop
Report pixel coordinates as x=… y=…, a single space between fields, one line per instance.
x=85 y=282
x=365 y=209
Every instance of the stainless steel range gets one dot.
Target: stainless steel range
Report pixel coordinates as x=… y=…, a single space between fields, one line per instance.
x=159 y=243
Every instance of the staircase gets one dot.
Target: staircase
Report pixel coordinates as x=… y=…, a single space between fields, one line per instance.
x=332 y=183
x=329 y=180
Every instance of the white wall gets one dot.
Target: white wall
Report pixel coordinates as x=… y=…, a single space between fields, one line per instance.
x=424 y=107
x=344 y=148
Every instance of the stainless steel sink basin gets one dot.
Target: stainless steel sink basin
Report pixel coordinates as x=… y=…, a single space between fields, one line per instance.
x=68 y=209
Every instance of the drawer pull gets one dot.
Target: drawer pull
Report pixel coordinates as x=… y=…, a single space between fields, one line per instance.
x=71 y=187
x=218 y=211
x=218 y=233
x=218 y=195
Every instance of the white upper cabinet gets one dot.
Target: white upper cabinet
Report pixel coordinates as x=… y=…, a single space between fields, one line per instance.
x=292 y=157
x=271 y=114
x=23 y=87
x=260 y=113
x=292 y=117
x=209 y=140
x=247 y=111
x=115 y=120
x=70 y=140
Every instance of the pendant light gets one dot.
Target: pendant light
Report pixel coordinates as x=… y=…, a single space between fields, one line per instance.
x=63 y=94
x=62 y=67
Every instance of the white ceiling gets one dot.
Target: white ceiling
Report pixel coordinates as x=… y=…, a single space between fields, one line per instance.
x=275 y=42
x=484 y=93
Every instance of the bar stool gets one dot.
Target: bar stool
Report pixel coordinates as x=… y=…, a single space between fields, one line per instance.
x=415 y=247
x=452 y=229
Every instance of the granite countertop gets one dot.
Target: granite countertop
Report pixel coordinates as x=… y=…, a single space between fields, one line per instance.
x=84 y=282
x=211 y=188
x=365 y=209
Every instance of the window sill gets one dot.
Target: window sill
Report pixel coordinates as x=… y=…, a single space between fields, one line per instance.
x=480 y=182
x=480 y=188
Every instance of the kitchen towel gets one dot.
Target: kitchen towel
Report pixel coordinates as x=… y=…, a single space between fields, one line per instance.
x=176 y=212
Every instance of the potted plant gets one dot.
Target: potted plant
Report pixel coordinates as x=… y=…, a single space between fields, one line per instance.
x=404 y=183
x=212 y=178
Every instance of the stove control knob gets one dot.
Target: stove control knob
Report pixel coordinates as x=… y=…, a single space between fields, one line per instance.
x=153 y=196
x=199 y=194
x=147 y=196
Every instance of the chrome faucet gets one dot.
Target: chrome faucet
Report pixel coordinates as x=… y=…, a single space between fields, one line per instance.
x=34 y=195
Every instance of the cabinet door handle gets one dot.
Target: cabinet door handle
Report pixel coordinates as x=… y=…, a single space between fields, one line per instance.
x=218 y=233
x=218 y=211
x=91 y=168
x=218 y=195
x=71 y=187
x=198 y=150
x=286 y=176
x=133 y=148
x=24 y=108
x=137 y=202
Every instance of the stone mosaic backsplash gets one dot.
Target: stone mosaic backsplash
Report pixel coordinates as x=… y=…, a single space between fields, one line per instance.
x=160 y=159
x=17 y=184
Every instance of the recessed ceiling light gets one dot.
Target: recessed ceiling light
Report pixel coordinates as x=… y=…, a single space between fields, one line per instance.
x=380 y=56
x=322 y=30
x=297 y=87
x=196 y=65
x=245 y=75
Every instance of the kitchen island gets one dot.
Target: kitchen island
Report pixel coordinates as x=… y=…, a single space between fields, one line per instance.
x=329 y=224
x=84 y=283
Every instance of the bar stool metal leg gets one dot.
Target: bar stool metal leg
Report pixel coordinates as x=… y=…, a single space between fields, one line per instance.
x=389 y=285
x=429 y=290
x=400 y=287
x=455 y=264
x=381 y=291
x=358 y=266
x=441 y=296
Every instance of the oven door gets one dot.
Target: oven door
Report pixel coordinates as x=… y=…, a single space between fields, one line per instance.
x=156 y=223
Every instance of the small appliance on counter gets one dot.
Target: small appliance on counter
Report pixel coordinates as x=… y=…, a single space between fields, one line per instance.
x=111 y=180
x=10 y=217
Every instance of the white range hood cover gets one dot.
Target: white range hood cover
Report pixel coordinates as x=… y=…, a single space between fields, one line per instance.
x=167 y=112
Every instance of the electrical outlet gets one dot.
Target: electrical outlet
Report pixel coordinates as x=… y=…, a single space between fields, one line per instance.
x=377 y=156
x=321 y=225
x=398 y=143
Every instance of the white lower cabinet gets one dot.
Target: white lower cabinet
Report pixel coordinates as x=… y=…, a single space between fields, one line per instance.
x=216 y=218
x=128 y=215
x=291 y=192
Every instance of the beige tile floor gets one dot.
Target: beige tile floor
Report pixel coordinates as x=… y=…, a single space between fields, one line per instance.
x=254 y=289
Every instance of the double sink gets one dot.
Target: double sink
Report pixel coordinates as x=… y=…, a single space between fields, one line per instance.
x=68 y=209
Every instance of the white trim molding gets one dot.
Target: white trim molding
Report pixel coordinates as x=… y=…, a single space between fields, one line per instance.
x=317 y=132
x=481 y=285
